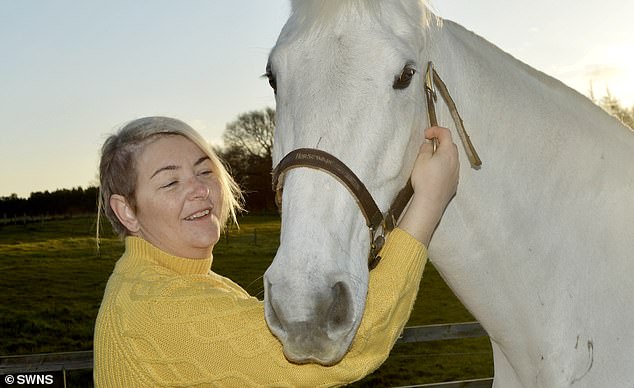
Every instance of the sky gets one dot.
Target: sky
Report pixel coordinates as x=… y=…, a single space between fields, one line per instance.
x=73 y=72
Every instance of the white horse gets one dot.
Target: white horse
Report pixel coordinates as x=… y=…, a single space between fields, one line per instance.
x=538 y=243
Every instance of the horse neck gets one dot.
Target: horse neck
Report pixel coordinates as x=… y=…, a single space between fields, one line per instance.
x=495 y=244
x=488 y=84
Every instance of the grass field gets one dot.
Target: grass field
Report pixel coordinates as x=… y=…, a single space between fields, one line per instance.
x=53 y=279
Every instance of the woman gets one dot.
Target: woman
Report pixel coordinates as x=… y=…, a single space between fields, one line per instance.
x=167 y=320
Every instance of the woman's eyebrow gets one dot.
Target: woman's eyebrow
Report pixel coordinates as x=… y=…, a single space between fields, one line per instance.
x=173 y=167
x=166 y=168
x=202 y=159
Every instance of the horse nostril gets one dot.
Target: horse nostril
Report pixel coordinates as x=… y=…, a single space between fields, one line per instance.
x=340 y=312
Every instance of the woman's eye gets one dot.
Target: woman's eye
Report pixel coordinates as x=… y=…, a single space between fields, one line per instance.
x=172 y=183
x=206 y=172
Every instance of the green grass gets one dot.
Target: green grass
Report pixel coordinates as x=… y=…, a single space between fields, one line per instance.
x=53 y=279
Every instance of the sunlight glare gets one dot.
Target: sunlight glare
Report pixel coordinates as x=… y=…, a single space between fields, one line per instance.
x=606 y=68
x=619 y=77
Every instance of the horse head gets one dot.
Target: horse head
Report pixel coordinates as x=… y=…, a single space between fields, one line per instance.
x=348 y=81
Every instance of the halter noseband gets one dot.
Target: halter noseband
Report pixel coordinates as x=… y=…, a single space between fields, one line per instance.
x=379 y=224
x=374 y=218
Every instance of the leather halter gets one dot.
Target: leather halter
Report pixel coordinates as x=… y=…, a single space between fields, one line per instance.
x=374 y=218
x=379 y=224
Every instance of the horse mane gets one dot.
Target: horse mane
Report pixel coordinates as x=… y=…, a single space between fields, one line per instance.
x=415 y=14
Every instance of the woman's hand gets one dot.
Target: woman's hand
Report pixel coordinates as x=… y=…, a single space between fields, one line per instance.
x=435 y=181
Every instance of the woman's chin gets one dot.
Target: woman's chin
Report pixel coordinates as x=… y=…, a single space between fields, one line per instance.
x=206 y=238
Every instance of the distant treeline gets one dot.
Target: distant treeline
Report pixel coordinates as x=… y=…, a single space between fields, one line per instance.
x=64 y=202
x=59 y=202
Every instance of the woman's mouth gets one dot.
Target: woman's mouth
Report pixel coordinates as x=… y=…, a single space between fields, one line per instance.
x=198 y=215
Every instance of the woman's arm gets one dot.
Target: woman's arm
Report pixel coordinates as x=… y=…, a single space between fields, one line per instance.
x=157 y=328
x=435 y=181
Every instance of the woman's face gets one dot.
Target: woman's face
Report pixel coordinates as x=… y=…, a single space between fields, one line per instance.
x=177 y=197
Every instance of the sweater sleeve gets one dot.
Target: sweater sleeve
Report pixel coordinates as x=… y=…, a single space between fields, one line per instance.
x=202 y=331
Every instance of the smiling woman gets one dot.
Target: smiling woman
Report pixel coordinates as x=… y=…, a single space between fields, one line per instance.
x=177 y=198
x=167 y=320
x=119 y=154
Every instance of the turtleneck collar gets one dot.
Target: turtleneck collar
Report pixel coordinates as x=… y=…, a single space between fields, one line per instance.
x=137 y=248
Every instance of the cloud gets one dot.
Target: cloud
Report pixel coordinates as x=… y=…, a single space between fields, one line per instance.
x=590 y=71
x=602 y=71
x=609 y=67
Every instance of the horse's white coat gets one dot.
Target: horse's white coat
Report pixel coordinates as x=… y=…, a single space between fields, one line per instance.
x=327 y=98
x=538 y=243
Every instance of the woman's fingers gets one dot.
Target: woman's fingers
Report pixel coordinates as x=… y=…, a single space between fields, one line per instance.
x=442 y=134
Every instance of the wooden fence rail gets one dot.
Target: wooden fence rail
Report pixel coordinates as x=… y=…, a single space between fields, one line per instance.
x=50 y=362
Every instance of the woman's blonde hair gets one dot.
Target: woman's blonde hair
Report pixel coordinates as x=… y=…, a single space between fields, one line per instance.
x=118 y=175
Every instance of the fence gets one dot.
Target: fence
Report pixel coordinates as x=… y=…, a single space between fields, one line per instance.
x=62 y=362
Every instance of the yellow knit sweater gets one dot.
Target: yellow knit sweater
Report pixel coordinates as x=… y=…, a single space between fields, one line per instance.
x=167 y=321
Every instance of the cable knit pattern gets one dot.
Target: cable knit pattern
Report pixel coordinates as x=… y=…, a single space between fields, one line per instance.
x=167 y=321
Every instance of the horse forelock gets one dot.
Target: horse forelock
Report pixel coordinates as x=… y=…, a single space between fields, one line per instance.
x=399 y=14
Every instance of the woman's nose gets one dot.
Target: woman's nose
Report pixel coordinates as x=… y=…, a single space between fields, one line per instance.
x=199 y=190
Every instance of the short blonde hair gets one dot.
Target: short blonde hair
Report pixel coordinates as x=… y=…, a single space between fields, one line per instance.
x=118 y=173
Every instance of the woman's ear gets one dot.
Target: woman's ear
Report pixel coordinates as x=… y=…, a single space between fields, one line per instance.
x=124 y=212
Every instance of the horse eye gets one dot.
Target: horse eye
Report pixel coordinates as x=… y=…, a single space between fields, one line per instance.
x=272 y=81
x=402 y=81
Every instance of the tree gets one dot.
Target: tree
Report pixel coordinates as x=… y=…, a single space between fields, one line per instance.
x=252 y=133
x=58 y=202
x=249 y=141
x=610 y=104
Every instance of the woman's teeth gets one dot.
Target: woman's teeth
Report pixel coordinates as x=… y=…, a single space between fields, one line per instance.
x=198 y=215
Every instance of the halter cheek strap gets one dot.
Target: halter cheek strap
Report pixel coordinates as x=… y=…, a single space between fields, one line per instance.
x=432 y=78
x=379 y=224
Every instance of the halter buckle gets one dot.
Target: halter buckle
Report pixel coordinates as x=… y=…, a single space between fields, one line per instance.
x=376 y=245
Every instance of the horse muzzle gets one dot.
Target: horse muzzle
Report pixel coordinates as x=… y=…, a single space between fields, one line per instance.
x=320 y=332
